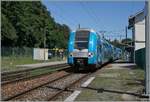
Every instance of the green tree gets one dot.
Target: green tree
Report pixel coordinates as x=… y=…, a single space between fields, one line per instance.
x=31 y=24
x=127 y=41
x=8 y=32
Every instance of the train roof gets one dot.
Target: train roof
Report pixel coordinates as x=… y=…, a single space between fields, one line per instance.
x=84 y=29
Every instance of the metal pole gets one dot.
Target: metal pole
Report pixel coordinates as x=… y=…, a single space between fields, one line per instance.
x=44 y=40
x=79 y=26
x=126 y=34
x=120 y=38
x=147 y=38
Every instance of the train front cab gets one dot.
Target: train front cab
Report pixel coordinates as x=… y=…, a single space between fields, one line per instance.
x=90 y=53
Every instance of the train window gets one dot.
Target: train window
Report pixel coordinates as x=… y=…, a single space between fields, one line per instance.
x=82 y=36
x=98 y=36
x=81 y=45
x=100 y=48
x=81 y=39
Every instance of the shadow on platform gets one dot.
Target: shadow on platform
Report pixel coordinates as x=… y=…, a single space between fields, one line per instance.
x=101 y=90
x=122 y=62
x=132 y=66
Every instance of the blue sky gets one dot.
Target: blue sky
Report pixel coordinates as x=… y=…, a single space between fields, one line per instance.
x=108 y=16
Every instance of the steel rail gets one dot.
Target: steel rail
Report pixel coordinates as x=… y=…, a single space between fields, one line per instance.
x=32 y=77
x=33 y=88
x=29 y=69
x=66 y=88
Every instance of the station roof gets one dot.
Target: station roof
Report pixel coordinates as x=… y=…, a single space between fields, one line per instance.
x=131 y=18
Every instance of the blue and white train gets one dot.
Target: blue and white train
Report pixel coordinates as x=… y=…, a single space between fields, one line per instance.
x=87 y=49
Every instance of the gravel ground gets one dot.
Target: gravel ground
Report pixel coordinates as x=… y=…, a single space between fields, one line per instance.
x=76 y=86
x=21 y=86
x=43 y=93
x=40 y=94
x=66 y=81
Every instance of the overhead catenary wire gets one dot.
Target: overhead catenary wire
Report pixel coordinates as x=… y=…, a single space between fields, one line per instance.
x=93 y=18
x=91 y=11
x=62 y=17
x=88 y=12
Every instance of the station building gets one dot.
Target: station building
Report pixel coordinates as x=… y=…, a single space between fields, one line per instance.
x=137 y=25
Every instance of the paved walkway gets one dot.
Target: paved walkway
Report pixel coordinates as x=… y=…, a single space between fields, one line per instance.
x=115 y=82
x=45 y=64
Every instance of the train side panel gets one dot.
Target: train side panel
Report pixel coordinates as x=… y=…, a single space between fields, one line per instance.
x=92 y=49
x=106 y=52
x=71 y=48
x=99 y=50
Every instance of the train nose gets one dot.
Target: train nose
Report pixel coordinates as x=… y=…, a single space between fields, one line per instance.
x=80 y=61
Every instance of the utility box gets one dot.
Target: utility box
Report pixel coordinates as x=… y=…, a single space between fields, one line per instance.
x=40 y=54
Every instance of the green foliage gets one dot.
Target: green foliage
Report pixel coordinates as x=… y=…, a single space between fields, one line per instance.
x=127 y=41
x=115 y=42
x=8 y=32
x=123 y=44
x=29 y=24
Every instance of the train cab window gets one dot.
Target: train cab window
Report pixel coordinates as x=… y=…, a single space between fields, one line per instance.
x=80 y=45
x=81 y=39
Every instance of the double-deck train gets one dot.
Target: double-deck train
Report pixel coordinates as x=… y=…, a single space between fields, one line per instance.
x=87 y=49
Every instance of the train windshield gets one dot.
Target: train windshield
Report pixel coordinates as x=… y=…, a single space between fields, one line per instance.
x=82 y=39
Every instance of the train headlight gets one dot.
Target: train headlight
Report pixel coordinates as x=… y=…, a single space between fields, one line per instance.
x=70 y=54
x=90 y=54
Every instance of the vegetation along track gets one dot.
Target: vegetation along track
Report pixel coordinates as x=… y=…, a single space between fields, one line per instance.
x=30 y=73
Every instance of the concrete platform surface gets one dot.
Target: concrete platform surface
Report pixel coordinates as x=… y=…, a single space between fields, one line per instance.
x=115 y=82
x=37 y=65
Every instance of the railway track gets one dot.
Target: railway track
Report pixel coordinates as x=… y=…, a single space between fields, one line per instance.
x=13 y=90
x=25 y=74
x=42 y=91
x=66 y=88
x=44 y=88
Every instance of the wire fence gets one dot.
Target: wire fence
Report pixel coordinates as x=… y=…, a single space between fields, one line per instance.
x=12 y=56
x=16 y=52
x=28 y=52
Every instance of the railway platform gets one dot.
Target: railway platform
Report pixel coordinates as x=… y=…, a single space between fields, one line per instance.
x=38 y=65
x=118 y=81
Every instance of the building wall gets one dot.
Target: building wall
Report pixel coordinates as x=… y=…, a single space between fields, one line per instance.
x=40 y=54
x=139 y=38
x=140 y=58
x=139 y=34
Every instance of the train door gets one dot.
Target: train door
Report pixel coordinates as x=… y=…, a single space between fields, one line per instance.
x=99 y=53
x=103 y=52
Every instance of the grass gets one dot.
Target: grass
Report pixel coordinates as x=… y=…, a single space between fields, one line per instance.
x=44 y=71
x=9 y=63
x=125 y=80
